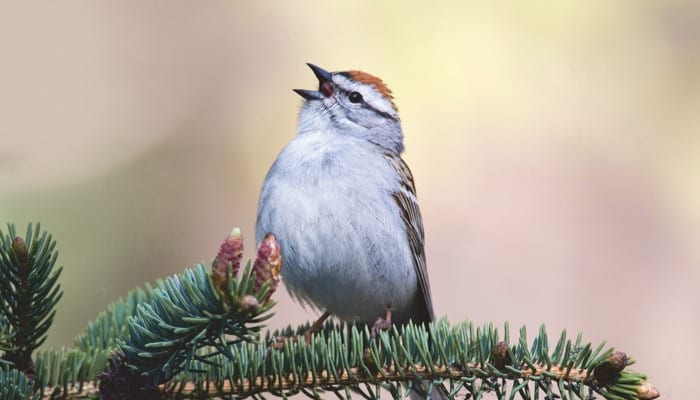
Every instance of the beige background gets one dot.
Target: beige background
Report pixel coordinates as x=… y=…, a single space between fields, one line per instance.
x=555 y=145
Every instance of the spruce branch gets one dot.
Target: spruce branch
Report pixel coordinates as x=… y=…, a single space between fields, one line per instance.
x=199 y=334
x=69 y=370
x=462 y=358
x=28 y=292
x=201 y=313
x=14 y=385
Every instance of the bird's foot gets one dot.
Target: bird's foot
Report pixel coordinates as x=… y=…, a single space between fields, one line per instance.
x=281 y=340
x=382 y=324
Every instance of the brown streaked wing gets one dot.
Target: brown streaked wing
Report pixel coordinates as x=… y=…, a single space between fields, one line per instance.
x=410 y=213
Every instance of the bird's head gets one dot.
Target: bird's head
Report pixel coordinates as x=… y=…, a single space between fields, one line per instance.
x=352 y=103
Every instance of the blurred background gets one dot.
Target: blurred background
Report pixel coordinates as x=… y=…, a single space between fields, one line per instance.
x=555 y=146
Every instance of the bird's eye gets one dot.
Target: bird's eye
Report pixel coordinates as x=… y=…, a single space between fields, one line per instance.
x=355 y=97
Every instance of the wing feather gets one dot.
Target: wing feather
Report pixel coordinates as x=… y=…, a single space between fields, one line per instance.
x=406 y=199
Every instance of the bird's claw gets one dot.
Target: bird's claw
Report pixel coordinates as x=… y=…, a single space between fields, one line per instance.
x=382 y=324
x=279 y=341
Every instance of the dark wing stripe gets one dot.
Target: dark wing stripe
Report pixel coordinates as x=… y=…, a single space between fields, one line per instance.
x=406 y=200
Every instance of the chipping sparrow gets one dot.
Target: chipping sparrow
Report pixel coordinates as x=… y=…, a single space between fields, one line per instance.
x=342 y=204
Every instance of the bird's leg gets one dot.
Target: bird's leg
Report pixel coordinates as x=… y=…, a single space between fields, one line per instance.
x=382 y=324
x=316 y=326
x=307 y=335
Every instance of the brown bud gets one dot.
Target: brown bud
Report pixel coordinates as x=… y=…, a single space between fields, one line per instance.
x=499 y=355
x=248 y=303
x=230 y=252
x=610 y=369
x=119 y=382
x=20 y=248
x=268 y=264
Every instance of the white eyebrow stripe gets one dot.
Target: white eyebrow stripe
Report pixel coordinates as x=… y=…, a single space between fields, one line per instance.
x=371 y=96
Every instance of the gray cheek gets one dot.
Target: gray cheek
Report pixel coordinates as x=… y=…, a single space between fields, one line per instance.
x=362 y=117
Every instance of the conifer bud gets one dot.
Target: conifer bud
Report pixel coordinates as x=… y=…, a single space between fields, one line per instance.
x=268 y=265
x=499 y=355
x=610 y=369
x=118 y=382
x=647 y=391
x=248 y=303
x=230 y=252
x=20 y=248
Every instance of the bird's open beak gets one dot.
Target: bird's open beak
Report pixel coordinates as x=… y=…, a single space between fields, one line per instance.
x=321 y=74
x=325 y=85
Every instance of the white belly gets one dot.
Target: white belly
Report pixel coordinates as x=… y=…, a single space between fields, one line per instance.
x=344 y=245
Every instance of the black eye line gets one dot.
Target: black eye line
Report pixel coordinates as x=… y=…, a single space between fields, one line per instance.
x=386 y=115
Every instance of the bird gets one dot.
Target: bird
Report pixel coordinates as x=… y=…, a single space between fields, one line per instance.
x=342 y=204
